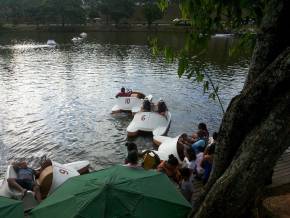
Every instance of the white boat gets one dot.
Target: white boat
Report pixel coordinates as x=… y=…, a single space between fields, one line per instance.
x=132 y=103
x=77 y=39
x=83 y=35
x=149 y=122
x=50 y=178
x=168 y=145
x=51 y=43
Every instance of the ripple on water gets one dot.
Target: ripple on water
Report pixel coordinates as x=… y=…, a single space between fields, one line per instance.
x=57 y=102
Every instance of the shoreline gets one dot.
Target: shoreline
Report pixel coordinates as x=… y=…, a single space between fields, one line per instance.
x=94 y=28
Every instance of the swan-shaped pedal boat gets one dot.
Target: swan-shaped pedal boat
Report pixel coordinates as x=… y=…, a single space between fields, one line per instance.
x=77 y=39
x=149 y=122
x=131 y=103
x=50 y=178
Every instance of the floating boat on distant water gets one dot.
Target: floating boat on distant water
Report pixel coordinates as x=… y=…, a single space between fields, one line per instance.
x=77 y=39
x=51 y=43
x=83 y=35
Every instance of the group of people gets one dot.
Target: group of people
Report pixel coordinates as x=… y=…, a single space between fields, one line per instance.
x=147 y=105
x=196 y=152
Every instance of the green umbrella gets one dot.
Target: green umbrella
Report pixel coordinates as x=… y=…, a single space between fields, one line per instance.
x=115 y=192
x=11 y=208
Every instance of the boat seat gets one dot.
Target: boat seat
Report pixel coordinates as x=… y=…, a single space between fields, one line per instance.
x=134 y=95
x=150 y=161
x=45 y=180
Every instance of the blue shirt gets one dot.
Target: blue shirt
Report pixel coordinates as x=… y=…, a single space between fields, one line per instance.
x=198 y=146
x=25 y=173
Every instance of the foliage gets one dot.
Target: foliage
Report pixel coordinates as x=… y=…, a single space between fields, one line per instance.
x=66 y=11
x=50 y=11
x=116 y=9
x=207 y=17
x=151 y=11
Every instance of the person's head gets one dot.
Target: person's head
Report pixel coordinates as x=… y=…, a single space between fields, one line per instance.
x=161 y=106
x=123 y=90
x=185 y=173
x=131 y=146
x=194 y=136
x=146 y=105
x=190 y=154
x=202 y=126
x=184 y=136
x=172 y=160
x=132 y=157
x=214 y=136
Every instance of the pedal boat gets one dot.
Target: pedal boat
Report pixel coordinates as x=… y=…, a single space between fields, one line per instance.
x=49 y=180
x=132 y=103
x=149 y=122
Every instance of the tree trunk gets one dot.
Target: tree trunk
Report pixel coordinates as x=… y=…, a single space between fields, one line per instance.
x=234 y=192
x=244 y=148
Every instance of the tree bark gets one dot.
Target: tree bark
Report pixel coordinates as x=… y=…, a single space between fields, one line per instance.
x=234 y=192
x=262 y=96
x=272 y=39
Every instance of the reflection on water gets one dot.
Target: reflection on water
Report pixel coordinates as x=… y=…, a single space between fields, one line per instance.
x=58 y=101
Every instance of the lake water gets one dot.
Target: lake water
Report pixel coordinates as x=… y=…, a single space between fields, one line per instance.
x=57 y=102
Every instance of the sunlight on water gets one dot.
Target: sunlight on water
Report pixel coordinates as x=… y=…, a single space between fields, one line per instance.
x=57 y=102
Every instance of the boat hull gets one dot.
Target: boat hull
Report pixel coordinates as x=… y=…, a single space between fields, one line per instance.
x=149 y=122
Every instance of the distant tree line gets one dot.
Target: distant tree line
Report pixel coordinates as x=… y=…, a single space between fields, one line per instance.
x=62 y=12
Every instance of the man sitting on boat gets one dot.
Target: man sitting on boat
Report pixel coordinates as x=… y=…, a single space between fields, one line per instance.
x=146 y=106
x=123 y=93
x=25 y=180
x=161 y=107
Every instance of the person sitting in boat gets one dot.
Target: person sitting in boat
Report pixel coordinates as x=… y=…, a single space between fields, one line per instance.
x=189 y=161
x=200 y=143
x=161 y=107
x=184 y=140
x=123 y=93
x=131 y=146
x=208 y=158
x=132 y=159
x=25 y=180
x=146 y=106
x=202 y=130
x=170 y=168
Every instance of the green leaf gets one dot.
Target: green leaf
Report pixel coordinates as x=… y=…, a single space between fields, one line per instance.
x=205 y=86
x=168 y=53
x=199 y=76
x=163 y=5
x=182 y=65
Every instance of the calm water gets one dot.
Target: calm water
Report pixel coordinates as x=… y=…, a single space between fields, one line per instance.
x=58 y=101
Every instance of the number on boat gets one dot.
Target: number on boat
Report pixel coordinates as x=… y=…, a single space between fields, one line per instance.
x=62 y=171
x=143 y=117
x=127 y=101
